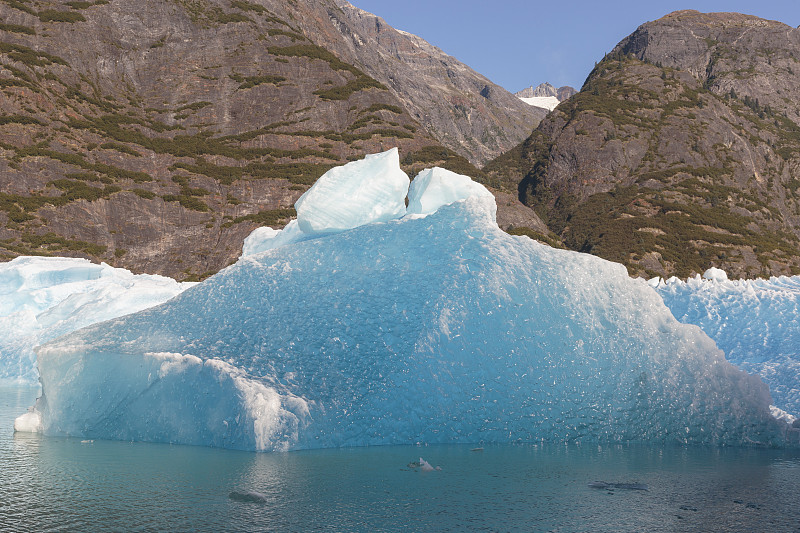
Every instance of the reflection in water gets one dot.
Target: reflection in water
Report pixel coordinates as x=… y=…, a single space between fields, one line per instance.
x=59 y=483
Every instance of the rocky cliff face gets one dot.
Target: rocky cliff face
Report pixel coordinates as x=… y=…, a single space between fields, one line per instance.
x=726 y=51
x=541 y=90
x=681 y=151
x=156 y=134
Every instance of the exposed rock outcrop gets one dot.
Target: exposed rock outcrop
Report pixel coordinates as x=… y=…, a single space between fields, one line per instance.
x=545 y=89
x=541 y=90
x=562 y=93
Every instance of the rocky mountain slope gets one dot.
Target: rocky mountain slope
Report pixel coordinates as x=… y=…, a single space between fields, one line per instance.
x=156 y=134
x=681 y=151
x=463 y=110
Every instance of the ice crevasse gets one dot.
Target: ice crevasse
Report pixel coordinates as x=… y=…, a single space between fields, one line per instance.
x=364 y=323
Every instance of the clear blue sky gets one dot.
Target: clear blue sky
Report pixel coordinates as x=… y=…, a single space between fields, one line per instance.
x=517 y=43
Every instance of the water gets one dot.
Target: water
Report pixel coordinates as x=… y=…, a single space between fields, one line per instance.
x=58 y=484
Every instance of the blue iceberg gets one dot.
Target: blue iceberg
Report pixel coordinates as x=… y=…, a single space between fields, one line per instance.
x=432 y=326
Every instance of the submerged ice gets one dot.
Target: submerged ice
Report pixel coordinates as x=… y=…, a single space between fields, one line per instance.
x=431 y=327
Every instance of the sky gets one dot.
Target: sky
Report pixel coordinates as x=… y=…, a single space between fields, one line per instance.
x=517 y=43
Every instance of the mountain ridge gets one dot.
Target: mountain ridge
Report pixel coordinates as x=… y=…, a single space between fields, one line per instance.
x=465 y=111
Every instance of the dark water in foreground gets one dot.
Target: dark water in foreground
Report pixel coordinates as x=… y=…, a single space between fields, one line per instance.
x=55 y=484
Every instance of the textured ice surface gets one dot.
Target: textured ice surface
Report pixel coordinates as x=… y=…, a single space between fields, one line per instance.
x=755 y=322
x=263 y=239
x=44 y=297
x=421 y=329
x=360 y=192
x=370 y=190
x=435 y=187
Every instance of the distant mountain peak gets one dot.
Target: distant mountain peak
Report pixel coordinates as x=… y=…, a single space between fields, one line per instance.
x=541 y=90
x=546 y=89
x=545 y=95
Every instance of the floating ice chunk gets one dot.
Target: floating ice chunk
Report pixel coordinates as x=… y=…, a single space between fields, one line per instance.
x=370 y=190
x=435 y=187
x=30 y=422
x=423 y=465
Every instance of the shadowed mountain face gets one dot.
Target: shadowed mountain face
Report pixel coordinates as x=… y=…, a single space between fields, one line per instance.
x=681 y=151
x=157 y=134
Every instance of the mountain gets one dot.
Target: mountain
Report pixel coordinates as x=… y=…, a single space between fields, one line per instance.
x=680 y=152
x=156 y=134
x=545 y=89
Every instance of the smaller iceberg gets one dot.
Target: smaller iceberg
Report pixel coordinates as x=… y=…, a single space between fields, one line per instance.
x=42 y=298
x=423 y=465
x=361 y=192
x=437 y=187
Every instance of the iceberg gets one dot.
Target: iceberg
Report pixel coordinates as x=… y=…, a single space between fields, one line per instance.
x=753 y=321
x=44 y=297
x=413 y=329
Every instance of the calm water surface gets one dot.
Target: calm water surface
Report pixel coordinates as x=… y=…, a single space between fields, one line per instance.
x=56 y=484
